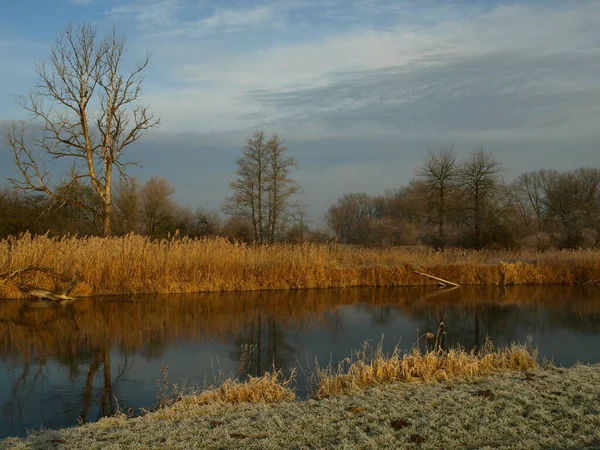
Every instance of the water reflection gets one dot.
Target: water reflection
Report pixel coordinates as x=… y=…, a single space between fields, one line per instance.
x=61 y=364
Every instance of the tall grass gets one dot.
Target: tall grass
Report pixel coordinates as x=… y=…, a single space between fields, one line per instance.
x=367 y=367
x=370 y=366
x=272 y=387
x=136 y=264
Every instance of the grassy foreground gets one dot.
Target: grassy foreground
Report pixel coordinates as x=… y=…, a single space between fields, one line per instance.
x=539 y=409
x=136 y=264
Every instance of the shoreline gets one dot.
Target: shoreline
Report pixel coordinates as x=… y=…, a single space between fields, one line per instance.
x=536 y=409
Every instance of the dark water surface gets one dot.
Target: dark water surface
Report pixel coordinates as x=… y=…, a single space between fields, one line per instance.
x=61 y=364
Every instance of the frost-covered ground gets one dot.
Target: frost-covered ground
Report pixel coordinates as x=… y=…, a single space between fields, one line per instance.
x=543 y=409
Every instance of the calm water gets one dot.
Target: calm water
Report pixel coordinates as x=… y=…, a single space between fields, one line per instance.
x=59 y=364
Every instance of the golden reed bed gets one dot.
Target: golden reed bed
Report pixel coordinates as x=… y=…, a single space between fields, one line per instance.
x=136 y=264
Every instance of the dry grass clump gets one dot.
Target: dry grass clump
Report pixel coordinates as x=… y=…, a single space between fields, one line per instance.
x=137 y=264
x=369 y=367
x=272 y=387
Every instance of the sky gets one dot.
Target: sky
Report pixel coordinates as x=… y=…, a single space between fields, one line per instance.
x=360 y=90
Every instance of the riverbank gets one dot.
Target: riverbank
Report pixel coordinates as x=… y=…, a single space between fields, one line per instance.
x=537 y=409
x=136 y=264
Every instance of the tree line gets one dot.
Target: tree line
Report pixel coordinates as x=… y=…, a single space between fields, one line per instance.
x=85 y=112
x=467 y=203
x=148 y=209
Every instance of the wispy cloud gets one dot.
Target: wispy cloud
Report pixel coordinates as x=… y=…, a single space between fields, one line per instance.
x=149 y=14
x=172 y=18
x=459 y=71
x=225 y=18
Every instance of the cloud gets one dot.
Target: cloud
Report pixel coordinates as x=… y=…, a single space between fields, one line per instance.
x=150 y=15
x=81 y=2
x=501 y=70
x=500 y=91
x=226 y=18
x=160 y=19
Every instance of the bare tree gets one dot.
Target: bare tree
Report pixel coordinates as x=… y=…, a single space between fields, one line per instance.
x=479 y=179
x=528 y=189
x=238 y=228
x=206 y=222
x=571 y=201
x=84 y=110
x=298 y=214
x=158 y=211
x=439 y=174
x=528 y=192
x=263 y=189
x=562 y=207
x=127 y=205
x=352 y=219
x=280 y=186
x=249 y=188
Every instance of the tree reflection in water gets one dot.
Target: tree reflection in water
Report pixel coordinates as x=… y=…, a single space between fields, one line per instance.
x=96 y=344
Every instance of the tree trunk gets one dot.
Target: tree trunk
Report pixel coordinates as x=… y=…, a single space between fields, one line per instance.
x=106 y=229
x=442 y=212
x=106 y=226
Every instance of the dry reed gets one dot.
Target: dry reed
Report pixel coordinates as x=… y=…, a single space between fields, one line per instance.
x=136 y=264
x=369 y=367
x=272 y=387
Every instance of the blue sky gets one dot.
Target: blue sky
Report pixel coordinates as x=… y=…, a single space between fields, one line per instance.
x=359 y=89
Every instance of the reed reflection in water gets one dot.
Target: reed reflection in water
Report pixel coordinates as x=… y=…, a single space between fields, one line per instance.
x=61 y=364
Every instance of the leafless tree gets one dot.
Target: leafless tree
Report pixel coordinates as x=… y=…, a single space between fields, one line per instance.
x=127 y=206
x=280 y=185
x=238 y=228
x=439 y=174
x=298 y=215
x=352 y=219
x=572 y=200
x=249 y=188
x=206 y=222
x=479 y=179
x=85 y=111
x=527 y=192
x=158 y=211
x=563 y=206
x=263 y=189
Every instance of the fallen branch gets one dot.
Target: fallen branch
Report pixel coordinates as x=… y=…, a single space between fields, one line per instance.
x=46 y=294
x=61 y=296
x=14 y=273
x=439 y=280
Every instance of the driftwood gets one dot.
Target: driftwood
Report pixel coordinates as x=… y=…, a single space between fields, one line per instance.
x=441 y=281
x=60 y=296
x=45 y=294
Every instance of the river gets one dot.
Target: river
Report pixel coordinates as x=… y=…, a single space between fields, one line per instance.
x=64 y=364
